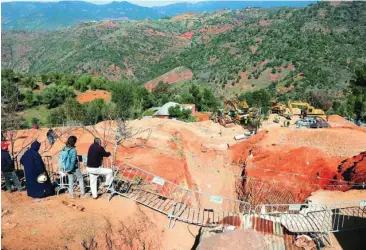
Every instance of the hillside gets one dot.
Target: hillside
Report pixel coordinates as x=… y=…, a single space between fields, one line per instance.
x=176 y=75
x=56 y=15
x=291 y=50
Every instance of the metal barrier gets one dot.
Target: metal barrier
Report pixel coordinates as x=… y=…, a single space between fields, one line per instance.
x=177 y=202
x=195 y=207
x=348 y=215
x=315 y=218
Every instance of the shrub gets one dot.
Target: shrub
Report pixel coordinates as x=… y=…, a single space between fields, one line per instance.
x=54 y=96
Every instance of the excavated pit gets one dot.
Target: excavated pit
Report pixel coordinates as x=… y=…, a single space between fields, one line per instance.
x=278 y=165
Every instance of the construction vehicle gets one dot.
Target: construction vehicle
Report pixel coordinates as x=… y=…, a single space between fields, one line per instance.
x=280 y=109
x=305 y=109
x=235 y=111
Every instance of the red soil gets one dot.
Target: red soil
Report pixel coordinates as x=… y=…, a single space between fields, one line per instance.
x=334 y=3
x=176 y=75
x=291 y=67
x=273 y=77
x=91 y=95
x=155 y=32
x=188 y=35
x=352 y=171
x=258 y=40
x=216 y=29
x=52 y=223
x=202 y=116
x=253 y=49
x=212 y=59
x=264 y=62
x=297 y=163
x=264 y=23
x=337 y=121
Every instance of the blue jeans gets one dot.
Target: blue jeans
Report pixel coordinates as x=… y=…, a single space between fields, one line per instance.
x=79 y=177
x=51 y=140
x=9 y=177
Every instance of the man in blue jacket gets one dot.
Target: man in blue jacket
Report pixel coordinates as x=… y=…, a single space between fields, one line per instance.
x=94 y=166
x=33 y=168
x=7 y=167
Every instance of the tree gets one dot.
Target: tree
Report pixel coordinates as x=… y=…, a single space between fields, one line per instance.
x=209 y=102
x=258 y=98
x=56 y=117
x=97 y=83
x=30 y=82
x=82 y=83
x=94 y=111
x=45 y=79
x=180 y=113
x=54 y=96
x=30 y=99
x=123 y=96
x=74 y=111
x=357 y=97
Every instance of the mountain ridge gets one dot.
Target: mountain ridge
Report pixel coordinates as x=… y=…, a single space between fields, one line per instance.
x=56 y=15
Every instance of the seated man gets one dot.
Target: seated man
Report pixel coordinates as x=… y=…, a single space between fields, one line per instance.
x=94 y=166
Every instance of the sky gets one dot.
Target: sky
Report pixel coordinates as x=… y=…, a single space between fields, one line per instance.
x=139 y=2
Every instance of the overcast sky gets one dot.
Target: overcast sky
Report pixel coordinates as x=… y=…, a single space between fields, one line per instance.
x=139 y=2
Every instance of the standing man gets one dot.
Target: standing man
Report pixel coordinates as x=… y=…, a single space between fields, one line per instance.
x=7 y=167
x=51 y=136
x=94 y=166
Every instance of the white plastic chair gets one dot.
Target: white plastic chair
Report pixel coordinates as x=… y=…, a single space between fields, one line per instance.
x=63 y=185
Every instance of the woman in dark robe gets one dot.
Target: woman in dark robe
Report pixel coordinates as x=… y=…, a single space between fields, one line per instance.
x=33 y=168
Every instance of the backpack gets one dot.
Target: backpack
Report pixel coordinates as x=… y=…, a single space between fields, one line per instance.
x=64 y=161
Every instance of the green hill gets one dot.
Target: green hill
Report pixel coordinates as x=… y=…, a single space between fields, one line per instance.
x=293 y=50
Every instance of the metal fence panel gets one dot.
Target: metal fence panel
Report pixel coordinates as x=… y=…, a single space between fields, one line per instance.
x=177 y=202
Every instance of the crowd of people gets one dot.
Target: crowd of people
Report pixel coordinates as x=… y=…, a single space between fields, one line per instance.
x=37 y=180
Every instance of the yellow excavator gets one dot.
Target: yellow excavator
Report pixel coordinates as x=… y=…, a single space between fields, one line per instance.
x=235 y=111
x=280 y=109
x=305 y=109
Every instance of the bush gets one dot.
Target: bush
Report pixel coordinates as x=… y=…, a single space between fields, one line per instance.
x=30 y=99
x=148 y=112
x=30 y=82
x=180 y=113
x=54 y=96
x=130 y=99
x=97 y=83
x=94 y=111
x=82 y=83
x=258 y=98
x=74 y=111
x=56 y=117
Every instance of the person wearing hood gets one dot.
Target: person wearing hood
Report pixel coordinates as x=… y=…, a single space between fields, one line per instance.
x=7 y=168
x=38 y=182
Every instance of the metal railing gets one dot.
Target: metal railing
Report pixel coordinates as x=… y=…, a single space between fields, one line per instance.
x=315 y=218
x=178 y=202
x=196 y=207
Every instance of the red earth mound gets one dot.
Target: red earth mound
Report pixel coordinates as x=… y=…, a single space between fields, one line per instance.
x=278 y=167
x=352 y=171
x=336 y=121
x=91 y=95
x=202 y=116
